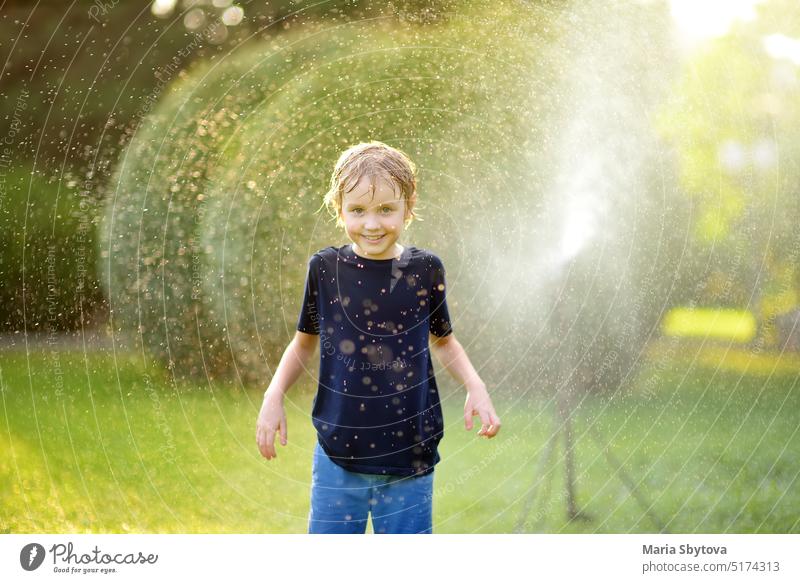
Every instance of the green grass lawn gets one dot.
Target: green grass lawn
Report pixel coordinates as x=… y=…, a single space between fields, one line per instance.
x=90 y=445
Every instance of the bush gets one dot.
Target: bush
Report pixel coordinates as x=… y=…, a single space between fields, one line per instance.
x=47 y=254
x=208 y=233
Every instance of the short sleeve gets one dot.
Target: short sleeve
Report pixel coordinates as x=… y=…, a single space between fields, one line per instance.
x=440 y=324
x=308 y=321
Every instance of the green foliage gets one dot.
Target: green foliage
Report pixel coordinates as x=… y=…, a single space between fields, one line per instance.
x=734 y=121
x=214 y=209
x=212 y=218
x=102 y=60
x=47 y=253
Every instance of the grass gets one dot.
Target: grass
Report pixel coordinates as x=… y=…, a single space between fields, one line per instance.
x=90 y=445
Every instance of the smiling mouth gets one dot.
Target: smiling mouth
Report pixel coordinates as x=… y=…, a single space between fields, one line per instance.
x=373 y=239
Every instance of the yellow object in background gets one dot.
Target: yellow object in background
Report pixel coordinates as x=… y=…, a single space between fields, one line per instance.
x=735 y=325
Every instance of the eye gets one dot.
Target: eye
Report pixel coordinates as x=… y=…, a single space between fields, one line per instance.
x=386 y=210
x=357 y=211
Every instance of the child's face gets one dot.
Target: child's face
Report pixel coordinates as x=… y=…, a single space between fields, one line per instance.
x=374 y=223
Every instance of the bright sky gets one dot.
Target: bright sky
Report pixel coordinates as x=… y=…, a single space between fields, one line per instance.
x=698 y=20
x=780 y=46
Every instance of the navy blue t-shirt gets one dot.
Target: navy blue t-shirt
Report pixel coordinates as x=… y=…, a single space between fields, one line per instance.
x=377 y=407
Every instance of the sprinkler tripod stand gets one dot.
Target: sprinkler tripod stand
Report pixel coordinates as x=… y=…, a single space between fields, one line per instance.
x=562 y=425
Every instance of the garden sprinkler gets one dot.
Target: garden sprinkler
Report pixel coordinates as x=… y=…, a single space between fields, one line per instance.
x=577 y=232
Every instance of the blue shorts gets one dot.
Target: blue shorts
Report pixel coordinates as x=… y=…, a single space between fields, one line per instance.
x=341 y=501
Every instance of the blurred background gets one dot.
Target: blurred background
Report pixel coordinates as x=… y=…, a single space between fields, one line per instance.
x=613 y=187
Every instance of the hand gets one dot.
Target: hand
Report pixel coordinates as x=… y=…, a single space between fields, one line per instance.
x=271 y=419
x=478 y=403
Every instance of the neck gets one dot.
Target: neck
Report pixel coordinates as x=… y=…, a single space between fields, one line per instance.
x=397 y=252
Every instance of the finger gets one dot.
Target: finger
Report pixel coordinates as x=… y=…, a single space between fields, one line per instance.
x=269 y=443
x=485 y=422
x=468 y=413
x=262 y=443
x=284 y=432
x=495 y=426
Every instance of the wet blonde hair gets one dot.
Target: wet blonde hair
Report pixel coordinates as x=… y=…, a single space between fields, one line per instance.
x=375 y=160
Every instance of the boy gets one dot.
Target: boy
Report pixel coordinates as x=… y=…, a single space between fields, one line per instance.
x=376 y=307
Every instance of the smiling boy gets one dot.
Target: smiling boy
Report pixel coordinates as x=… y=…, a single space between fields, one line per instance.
x=376 y=309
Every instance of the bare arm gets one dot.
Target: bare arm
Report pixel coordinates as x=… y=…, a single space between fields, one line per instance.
x=454 y=359
x=272 y=417
x=294 y=361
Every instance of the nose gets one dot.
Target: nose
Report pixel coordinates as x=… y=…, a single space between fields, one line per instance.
x=371 y=222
